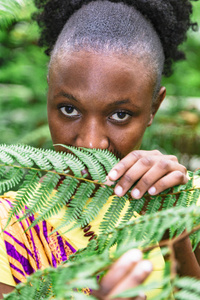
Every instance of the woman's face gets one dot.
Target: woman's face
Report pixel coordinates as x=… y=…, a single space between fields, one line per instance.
x=100 y=101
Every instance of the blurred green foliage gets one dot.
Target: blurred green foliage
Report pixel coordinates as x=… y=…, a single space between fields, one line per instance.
x=23 y=88
x=23 y=83
x=176 y=128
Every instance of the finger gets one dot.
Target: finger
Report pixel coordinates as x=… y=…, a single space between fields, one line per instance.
x=158 y=171
x=133 y=174
x=119 y=270
x=142 y=296
x=168 y=181
x=136 y=276
x=124 y=164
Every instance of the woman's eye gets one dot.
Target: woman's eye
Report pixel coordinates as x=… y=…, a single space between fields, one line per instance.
x=69 y=111
x=120 y=116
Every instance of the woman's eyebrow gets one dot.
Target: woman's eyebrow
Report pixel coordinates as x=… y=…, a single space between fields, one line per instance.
x=66 y=95
x=125 y=101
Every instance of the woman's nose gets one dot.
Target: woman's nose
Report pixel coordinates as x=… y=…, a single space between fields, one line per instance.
x=92 y=136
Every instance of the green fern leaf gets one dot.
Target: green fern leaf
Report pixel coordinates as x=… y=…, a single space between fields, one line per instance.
x=183 y=200
x=11 y=179
x=169 y=201
x=19 y=156
x=55 y=203
x=186 y=295
x=154 y=204
x=111 y=217
x=105 y=157
x=44 y=191
x=5 y=158
x=2 y=172
x=191 y=284
x=94 y=167
x=37 y=156
x=29 y=186
x=77 y=203
x=92 y=209
x=56 y=160
x=75 y=164
x=135 y=206
x=194 y=197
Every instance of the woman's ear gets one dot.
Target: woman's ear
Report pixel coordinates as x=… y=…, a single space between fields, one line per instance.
x=156 y=104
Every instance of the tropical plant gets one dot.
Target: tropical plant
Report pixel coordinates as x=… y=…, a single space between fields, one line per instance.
x=173 y=210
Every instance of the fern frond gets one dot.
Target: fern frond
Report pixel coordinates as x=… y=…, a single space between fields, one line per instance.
x=43 y=192
x=94 y=167
x=57 y=201
x=61 y=197
x=154 y=204
x=23 y=195
x=105 y=157
x=11 y=179
x=56 y=160
x=169 y=201
x=85 y=198
x=2 y=172
x=18 y=156
x=112 y=215
x=5 y=157
x=134 y=208
x=183 y=199
x=77 y=203
x=43 y=200
x=194 y=196
x=135 y=230
x=189 y=288
x=186 y=295
x=92 y=209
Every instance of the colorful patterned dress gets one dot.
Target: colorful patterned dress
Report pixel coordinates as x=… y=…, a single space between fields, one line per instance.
x=22 y=253
x=28 y=251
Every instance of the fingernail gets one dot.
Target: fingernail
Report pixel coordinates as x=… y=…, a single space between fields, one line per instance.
x=146 y=266
x=135 y=193
x=133 y=255
x=113 y=175
x=142 y=295
x=152 y=190
x=119 y=190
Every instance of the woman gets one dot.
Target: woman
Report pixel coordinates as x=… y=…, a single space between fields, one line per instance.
x=106 y=63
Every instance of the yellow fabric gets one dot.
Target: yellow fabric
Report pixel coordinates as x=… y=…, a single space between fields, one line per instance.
x=28 y=250
x=5 y=271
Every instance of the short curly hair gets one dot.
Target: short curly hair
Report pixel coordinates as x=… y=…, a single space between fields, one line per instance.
x=169 y=18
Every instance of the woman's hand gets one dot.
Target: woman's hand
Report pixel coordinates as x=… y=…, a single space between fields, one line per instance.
x=128 y=272
x=154 y=172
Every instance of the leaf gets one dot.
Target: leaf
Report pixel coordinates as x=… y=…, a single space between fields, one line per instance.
x=112 y=215
x=10 y=10
x=93 y=165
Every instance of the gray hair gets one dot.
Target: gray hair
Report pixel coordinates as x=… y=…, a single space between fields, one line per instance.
x=103 y=26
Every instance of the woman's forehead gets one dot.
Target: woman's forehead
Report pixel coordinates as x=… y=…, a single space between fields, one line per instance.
x=100 y=80
x=82 y=65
